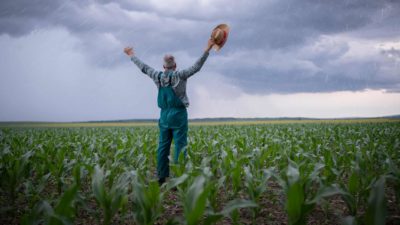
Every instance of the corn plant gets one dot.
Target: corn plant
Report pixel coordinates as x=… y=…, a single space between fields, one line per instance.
x=215 y=187
x=177 y=182
x=34 y=189
x=236 y=176
x=394 y=177
x=63 y=212
x=195 y=200
x=13 y=172
x=110 y=199
x=146 y=200
x=356 y=192
x=376 y=211
x=256 y=185
x=300 y=196
x=231 y=207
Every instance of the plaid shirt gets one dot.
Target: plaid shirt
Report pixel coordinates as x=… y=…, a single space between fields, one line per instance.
x=177 y=79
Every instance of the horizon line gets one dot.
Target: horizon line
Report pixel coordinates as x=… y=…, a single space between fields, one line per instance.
x=391 y=116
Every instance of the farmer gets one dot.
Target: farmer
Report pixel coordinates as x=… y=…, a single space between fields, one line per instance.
x=172 y=100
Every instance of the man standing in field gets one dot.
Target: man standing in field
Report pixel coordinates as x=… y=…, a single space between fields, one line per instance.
x=173 y=101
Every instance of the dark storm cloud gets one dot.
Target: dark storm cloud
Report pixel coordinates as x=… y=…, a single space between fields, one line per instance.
x=275 y=46
x=271 y=81
x=272 y=23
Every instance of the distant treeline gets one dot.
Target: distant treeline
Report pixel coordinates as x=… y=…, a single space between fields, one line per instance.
x=219 y=119
x=227 y=119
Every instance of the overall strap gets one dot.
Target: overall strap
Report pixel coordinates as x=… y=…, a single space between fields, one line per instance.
x=169 y=74
x=169 y=81
x=159 y=78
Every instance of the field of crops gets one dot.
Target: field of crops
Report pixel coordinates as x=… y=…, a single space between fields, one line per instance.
x=311 y=173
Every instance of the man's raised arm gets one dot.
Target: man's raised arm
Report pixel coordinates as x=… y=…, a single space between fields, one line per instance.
x=186 y=73
x=152 y=73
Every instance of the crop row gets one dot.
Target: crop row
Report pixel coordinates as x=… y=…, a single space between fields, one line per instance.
x=258 y=174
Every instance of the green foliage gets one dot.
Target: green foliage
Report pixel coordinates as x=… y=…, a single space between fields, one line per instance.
x=54 y=176
x=14 y=169
x=376 y=211
x=195 y=199
x=303 y=190
x=146 y=200
x=110 y=199
x=62 y=213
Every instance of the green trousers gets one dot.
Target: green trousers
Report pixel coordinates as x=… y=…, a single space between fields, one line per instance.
x=173 y=124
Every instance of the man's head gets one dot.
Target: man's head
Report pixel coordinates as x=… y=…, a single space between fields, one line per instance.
x=169 y=62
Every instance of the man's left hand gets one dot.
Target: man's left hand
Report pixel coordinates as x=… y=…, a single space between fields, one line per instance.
x=210 y=44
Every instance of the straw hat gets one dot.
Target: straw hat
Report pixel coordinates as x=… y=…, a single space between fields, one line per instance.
x=220 y=35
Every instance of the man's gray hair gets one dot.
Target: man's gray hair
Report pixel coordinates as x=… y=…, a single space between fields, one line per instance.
x=169 y=61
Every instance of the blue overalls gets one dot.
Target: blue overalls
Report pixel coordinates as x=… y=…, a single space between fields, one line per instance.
x=173 y=124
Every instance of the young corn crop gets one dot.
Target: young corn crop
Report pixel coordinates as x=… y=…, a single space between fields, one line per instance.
x=311 y=173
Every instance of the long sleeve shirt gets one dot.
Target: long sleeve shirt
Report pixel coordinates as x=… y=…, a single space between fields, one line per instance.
x=177 y=79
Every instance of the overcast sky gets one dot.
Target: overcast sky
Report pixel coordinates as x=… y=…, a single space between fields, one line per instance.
x=63 y=61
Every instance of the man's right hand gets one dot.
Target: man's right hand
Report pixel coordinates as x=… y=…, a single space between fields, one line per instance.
x=129 y=51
